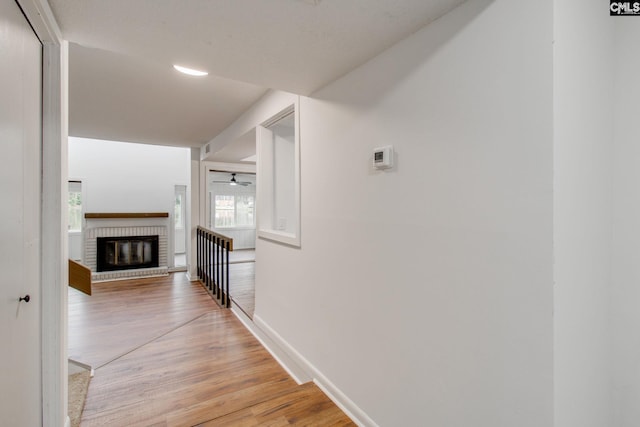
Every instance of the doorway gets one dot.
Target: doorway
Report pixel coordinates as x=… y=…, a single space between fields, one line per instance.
x=232 y=212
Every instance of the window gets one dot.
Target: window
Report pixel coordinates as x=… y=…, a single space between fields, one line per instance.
x=178 y=212
x=234 y=211
x=245 y=211
x=225 y=211
x=75 y=206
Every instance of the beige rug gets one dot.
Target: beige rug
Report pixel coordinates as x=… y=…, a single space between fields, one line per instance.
x=78 y=386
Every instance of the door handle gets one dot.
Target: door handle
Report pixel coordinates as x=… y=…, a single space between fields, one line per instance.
x=25 y=298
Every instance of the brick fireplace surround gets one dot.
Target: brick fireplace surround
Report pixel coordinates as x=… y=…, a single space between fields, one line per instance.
x=123 y=225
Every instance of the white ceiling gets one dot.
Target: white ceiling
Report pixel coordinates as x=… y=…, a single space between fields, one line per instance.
x=122 y=98
x=122 y=86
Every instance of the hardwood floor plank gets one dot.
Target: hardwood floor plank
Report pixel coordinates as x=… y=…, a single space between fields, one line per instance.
x=305 y=405
x=242 y=286
x=122 y=315
x=183 y=362
x=219 y=406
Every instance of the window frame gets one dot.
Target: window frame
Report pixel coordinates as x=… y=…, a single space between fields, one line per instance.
x=266 y=190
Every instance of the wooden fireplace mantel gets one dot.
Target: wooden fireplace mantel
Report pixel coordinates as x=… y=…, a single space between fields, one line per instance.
x=126 y=215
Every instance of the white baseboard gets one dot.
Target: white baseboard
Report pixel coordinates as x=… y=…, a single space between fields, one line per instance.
x=297 y=373
x=75 y=367
x=282 y=347
x=356 y=414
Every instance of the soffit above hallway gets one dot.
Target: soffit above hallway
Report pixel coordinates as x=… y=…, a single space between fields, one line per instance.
x=122 y=83
x=119 y=97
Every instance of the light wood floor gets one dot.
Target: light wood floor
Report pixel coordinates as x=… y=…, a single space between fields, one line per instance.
x=242 y=279
x=166 y=355
x=242 y=287
x=242 y=255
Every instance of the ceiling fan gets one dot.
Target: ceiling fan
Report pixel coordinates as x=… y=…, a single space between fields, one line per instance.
x=233 y=181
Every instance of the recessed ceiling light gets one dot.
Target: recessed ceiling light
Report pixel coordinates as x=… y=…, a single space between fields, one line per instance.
x=190 y=71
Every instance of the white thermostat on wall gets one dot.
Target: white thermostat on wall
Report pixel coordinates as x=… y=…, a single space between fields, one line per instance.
x=383 y=157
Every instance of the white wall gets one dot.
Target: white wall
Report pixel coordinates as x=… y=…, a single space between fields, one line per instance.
x=626 y=229
x=424 y=293
x=75 y=245
x=125 y=177
x=269 y=105
x=284 y=167
x=583 y=60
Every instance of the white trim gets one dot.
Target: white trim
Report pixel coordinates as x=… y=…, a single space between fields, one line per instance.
x=80 y=365
x=204 y=199
x=53 y=214
x=265 y=190
x=193 y=216
x=54 y=278
x=274 y=343
x=41 y=18
x=297 y=372
x=356 y=414
x=280 y=237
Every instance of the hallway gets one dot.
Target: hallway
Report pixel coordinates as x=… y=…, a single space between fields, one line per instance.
x=166 y=355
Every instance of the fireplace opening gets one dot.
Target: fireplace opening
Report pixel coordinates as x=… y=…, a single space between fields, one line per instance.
x=126 y=253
